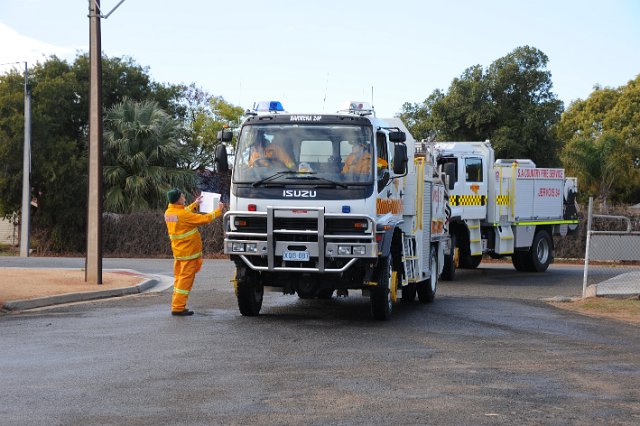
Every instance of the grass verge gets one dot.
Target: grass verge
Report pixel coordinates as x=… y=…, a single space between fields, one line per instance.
x=627 y=310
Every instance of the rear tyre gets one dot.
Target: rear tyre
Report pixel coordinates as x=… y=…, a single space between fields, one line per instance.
x=409 y=293
x=468 y=261
x=249 y=291
x=325 y=293
x=381 y=303
x=427 y=289
x=520 y=261
x=449 y=270
x=474 y=261
x=541 y=252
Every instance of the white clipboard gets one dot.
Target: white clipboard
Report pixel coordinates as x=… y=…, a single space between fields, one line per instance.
x=210 y=202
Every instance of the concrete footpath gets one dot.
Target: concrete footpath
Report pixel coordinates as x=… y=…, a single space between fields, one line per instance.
x=29 y=288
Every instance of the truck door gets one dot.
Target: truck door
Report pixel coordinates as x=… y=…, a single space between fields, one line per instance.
x=471 y=188
x=389 y=189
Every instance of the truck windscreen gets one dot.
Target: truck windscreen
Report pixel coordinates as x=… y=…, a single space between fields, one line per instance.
x=298 y=154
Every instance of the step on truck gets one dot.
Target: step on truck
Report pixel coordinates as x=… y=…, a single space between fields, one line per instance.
x=332 y=203
x=502 y=208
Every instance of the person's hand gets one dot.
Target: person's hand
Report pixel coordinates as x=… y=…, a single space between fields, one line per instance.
x=198 y=200
x=221 y=206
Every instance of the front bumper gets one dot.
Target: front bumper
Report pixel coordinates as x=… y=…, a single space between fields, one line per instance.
x=330 y=248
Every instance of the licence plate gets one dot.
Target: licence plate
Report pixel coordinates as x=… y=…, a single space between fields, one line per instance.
x=300 y=256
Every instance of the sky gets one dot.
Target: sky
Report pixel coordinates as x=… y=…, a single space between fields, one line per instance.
x=314 y=55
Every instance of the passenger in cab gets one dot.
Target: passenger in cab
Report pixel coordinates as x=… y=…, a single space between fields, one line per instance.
x=359 y=161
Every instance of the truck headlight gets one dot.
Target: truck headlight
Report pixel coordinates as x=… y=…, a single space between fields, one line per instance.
x=359 y=250
x=251 y=247
x=237 y=247
x=344 y=250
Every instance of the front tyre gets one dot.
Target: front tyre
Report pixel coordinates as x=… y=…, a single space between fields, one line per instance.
x=249 y=291
x=427 y=289
x=381 y=303
x=449 y=270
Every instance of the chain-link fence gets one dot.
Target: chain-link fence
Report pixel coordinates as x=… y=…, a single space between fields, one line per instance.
x=612 y=255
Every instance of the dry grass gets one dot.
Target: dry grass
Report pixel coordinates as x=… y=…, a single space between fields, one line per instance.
x=627 y=310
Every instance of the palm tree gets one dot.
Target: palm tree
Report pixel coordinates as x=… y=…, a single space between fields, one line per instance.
x=142 y=155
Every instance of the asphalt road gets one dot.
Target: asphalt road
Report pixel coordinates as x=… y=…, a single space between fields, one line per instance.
x=487 y=351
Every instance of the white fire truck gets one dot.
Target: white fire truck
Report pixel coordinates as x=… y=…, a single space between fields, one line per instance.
x=502 y=207
x=300 y=221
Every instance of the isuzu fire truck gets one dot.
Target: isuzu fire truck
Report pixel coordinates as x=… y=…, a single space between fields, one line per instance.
x=502 y=207
x=313 y=228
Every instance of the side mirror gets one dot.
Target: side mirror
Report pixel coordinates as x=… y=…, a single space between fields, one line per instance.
x=220 y=158
x=450 y=172
x=400 y=158
x=397 y=136
x=223 y=136
x=383 y=180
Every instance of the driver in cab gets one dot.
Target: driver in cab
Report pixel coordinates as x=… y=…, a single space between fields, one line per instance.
x=265 y=154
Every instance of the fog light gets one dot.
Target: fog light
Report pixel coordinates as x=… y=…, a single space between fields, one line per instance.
x=344 y=250
x=252 y=247
x=237 y=247
x=359 y=250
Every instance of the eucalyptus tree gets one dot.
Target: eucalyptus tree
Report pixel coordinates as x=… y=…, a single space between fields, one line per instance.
x=510 y=102
x=601 y=137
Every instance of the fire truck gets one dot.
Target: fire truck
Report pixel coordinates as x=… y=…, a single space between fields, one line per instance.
x=321 y=204
x=502 y=207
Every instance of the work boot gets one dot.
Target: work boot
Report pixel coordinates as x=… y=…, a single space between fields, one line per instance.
x=184 y=313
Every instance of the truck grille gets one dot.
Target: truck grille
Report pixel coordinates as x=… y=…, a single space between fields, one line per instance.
x=332 y=226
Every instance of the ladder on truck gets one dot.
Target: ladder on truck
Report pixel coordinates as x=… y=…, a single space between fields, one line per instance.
x=409 y=260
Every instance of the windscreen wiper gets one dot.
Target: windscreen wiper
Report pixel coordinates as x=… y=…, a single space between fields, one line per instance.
x=273 y=176
x=308 y=176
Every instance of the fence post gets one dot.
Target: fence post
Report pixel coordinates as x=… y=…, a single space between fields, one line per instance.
x=586 y=254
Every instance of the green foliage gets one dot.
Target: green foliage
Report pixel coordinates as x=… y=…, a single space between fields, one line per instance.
x=59 y=138
x=510 y=103
x=601 y=138
x=204 y=116
x=141 y=152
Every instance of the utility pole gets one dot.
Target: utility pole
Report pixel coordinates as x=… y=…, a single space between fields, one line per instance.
x=93 y=264
x=26 y=170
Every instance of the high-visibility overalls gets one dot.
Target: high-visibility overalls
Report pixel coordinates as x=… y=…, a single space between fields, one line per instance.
x=182 y=224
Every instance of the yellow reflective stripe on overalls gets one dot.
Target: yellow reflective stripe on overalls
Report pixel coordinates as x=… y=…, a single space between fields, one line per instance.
x=193 y=256
x=181 y=291
x=185 y=235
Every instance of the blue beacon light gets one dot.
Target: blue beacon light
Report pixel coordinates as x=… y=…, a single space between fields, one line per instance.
x=275 y=106
x=346 y=209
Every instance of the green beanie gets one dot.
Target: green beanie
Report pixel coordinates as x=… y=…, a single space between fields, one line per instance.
x=173 y=195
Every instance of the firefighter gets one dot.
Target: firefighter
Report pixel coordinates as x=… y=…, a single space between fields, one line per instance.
x=182 y=225
x=264 y=153
x=359 y=161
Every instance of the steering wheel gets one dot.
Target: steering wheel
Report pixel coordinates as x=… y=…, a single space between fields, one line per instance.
x=268 y=162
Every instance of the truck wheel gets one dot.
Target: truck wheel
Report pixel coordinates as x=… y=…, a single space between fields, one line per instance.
x=520 y=260
x=381 y=304
x=470 y=262
x=541 y=252
x=325 y=293
x=307 y=289
x=249 y=292
x=475 y=261
x=409 y=293
x=427 y=289
x=449 y=270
